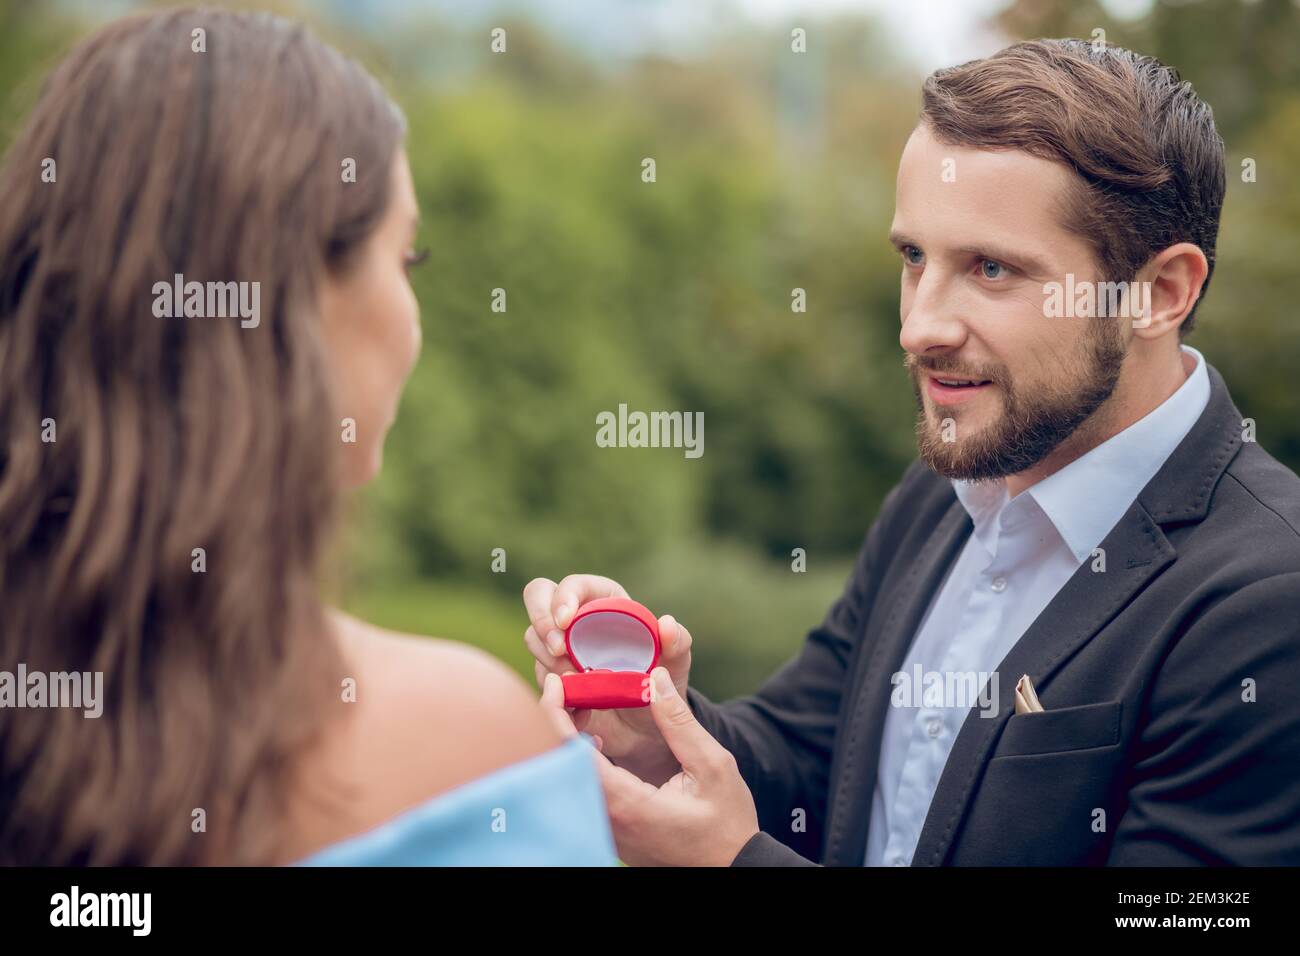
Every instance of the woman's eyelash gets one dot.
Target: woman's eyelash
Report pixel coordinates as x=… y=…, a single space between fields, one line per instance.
x=413 y=259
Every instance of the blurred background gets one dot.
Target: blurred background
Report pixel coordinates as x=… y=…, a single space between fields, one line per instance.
x=774 y=171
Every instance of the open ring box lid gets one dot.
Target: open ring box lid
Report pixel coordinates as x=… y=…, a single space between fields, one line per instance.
x=614 y=644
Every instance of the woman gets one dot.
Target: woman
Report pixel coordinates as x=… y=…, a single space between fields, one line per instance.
x=171 y=467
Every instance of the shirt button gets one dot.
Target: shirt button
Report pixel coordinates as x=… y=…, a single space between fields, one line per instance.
x=933 y=727
x=999 y=584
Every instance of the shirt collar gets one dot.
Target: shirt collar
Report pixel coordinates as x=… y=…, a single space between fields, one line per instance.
x=983 y=501
x=1086 y=498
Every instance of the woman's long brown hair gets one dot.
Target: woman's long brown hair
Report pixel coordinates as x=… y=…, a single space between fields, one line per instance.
x=173 y=434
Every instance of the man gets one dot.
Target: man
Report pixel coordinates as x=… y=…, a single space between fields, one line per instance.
x=1090 y=512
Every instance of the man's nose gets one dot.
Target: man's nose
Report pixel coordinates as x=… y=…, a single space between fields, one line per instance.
x=933 y=320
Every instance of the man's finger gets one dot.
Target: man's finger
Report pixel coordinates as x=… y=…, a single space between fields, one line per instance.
x=553 y=704
x=576 y=590
x=692 y=745
x=540 y=672
x=537 y=602
x=560 y=664
x=675 y=640
x=580 y=716
x=621 y=786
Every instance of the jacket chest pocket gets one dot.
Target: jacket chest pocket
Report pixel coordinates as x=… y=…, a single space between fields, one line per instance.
x=1061 y=731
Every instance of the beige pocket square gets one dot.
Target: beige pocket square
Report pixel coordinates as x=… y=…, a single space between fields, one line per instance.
x=1027 y=697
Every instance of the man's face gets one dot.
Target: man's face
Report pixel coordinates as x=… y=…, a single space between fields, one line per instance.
x=979 y=233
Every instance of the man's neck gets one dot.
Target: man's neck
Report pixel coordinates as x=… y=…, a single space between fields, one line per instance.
x=1141 y=390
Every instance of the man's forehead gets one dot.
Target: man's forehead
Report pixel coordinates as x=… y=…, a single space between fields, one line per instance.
x=961 y=196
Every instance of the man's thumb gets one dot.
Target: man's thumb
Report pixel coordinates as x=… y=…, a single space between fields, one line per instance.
x=690 y=743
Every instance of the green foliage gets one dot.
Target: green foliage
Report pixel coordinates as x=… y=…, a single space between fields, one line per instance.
x=671 y=295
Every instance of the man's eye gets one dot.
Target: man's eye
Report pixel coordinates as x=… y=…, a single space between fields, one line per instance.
x=913 y=256
x=991 y=269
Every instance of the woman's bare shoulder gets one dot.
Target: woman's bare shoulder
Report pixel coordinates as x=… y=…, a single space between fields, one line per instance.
x=421 y=717
x=454 y=704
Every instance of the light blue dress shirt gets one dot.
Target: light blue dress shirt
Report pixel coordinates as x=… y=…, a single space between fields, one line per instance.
x=1020 y=554
x=547 y=810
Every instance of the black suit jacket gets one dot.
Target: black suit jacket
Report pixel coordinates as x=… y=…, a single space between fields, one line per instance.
x=1171 y=683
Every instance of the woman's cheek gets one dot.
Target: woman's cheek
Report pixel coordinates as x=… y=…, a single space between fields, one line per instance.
x=410 y=311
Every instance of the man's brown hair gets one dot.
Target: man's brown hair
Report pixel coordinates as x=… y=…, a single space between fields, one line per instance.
x=1142 y=141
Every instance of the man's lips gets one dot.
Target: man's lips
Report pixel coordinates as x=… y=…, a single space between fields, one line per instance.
x=952 y=394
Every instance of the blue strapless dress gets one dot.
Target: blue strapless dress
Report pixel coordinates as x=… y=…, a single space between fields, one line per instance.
x=548 y=810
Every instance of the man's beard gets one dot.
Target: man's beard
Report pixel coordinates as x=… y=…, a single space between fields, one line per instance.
x=1031 y=426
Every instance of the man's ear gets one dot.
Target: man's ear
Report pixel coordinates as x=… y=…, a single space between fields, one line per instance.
x=1176 y=276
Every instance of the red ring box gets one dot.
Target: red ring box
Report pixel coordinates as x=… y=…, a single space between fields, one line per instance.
x=614 y=644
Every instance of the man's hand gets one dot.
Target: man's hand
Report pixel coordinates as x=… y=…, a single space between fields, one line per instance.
x=630 y=738
x=703 y=816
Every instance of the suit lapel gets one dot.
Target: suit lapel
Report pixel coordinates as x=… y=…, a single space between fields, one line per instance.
x=850 y=807
x=1137 y=550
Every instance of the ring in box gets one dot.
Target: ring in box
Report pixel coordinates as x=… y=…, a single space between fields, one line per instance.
x=614 y=644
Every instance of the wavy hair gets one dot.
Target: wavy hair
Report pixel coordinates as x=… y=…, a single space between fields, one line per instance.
x=171 y=435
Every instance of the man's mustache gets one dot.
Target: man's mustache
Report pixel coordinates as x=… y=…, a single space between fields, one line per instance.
x=915 y=365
